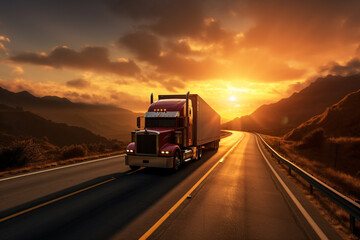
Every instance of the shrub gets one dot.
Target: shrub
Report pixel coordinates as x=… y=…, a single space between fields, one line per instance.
x=116 y=146
x=96 y=147
x=101 y=147
x=313 y=139
x=73 y=151
x=20 y=153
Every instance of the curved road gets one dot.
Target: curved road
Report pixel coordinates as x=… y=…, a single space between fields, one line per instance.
x=234 y=194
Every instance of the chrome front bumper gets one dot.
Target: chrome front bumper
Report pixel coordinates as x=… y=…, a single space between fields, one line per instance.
x=149 y=161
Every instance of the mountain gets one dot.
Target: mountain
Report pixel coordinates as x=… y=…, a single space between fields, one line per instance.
x=19 y=123
x=340 y=120
x=106 y=120
x=281 y=117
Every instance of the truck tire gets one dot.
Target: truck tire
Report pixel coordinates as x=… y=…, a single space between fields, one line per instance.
x=134 y=167
x=177 y=161
x=198 y=153
x=216 y=145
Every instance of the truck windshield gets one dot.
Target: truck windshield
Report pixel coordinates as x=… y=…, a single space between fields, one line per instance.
x=160 y=122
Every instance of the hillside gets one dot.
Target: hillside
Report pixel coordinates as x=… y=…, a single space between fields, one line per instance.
x=16 y=123
x=108 y=121
x=281 y=117
x=340 y=120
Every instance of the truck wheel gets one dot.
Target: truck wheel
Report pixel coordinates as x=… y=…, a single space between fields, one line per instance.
x=217 y=145
x=134 y=167
x=177 y=161
x=199 y=153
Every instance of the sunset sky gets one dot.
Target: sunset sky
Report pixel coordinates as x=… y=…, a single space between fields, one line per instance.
x=237 y=55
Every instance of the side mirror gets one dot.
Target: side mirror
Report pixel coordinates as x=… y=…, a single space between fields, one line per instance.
x=138 y=122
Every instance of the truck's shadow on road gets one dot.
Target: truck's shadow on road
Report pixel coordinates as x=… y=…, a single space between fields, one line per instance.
x=185 y=167
x=101 y=211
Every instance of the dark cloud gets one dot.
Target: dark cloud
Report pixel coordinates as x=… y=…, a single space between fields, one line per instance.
x=166 y=17
x=181 y=48
x=214 y=32
x=89 y=58
x=145 y=45
x=350 y=68
x=176 y=58
x=78 y=83
x=176 y=18
x=173 y=85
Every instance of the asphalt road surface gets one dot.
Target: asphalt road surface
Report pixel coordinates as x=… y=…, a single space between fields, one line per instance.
x=234 y=193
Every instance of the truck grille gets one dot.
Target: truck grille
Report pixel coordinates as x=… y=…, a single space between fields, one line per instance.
x=146 y=144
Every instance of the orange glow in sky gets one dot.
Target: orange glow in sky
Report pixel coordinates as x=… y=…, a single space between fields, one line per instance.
x=117 y=53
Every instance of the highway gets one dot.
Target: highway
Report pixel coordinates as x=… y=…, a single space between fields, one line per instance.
x=235 y=193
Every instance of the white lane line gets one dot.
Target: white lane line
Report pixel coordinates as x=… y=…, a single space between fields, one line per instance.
x=307 y=216
x=182 y=199
x=62 y=167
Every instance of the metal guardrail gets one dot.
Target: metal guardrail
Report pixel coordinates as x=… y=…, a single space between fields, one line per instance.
x=349 y=205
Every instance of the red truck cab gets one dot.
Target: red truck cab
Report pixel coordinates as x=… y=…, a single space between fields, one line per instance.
x=171 y=133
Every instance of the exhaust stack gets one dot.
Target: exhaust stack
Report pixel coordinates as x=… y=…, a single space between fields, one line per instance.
x=187 y=118
x=151 y=98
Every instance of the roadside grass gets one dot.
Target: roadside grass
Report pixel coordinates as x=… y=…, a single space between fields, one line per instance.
x=33 y=154
x=344 y=182
x=48 y=164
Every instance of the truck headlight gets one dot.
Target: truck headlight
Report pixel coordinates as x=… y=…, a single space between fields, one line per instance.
x=162 y=152
x=127 y=150
x=167 y=152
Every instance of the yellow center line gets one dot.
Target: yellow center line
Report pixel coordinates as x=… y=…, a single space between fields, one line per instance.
x=182 y=199
x=54 y=200
x=134 y=171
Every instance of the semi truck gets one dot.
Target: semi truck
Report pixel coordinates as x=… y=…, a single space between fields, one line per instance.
x=176 y=129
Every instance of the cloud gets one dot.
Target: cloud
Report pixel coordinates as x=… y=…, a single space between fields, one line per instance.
x=306 y=30
x=178 y=59
x=182 y=48
x=3 y=50
x=349 y=68
x=18 y=70
x=176 y=18
x=78 y=83
x=89 y=58
x=295 y=30
x=168 y=18
x=173 y=85
x=145 y=45
x=4 y=39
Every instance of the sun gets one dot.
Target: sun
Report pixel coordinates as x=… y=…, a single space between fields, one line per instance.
x=232 y=98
